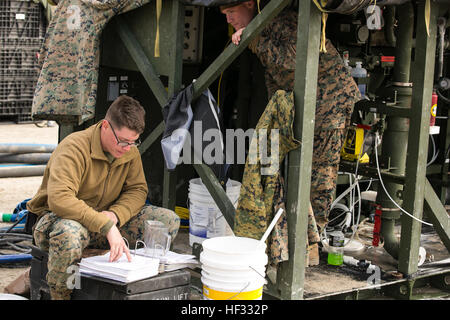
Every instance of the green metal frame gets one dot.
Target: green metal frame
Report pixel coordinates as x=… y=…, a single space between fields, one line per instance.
x=202 y=83
x=415 y=172
x=291 y=274
x=418 y=194
x=300 y=161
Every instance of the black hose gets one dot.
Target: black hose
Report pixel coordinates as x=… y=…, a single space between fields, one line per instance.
x=11 y=241
x=16 y=223
x=447 y=100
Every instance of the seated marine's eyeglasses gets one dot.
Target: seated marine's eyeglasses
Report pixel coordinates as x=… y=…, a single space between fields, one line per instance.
x=124 y=144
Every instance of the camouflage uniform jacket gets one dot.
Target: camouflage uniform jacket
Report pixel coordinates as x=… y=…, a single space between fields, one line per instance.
x=79 y=182
x=69 y=59
x=260 y=191
x=336 y=89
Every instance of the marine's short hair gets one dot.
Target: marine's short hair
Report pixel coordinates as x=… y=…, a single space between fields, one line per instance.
x=127 y=112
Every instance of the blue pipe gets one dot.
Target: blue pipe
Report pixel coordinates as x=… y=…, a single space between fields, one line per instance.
x=19 y=227
x=14 y=258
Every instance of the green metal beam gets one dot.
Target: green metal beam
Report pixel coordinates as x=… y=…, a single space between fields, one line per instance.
x=209 y=75
x=152 y=137
x=438 y=215
x=150 y=75
x=383 y=108
x=299 y=174
x=371 y=172
x=415 y=171
x=175 y=79
x=217 y=192
x=445 y=165
x=233 y=51
x=148 y=72
x=141 y=60
x=176 y=47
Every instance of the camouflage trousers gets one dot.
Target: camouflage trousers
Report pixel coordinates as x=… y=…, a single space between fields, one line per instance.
x=325 y=164
x=65 y=240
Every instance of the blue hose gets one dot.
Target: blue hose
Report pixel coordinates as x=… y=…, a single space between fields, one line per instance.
x=19 y=227
x=14 y=258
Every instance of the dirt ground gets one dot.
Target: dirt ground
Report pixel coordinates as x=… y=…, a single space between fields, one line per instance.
x=14 y=190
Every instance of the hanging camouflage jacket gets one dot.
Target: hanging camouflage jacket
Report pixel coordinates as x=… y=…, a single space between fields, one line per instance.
x=336 y=90
x=69 y=59
x=262 y=187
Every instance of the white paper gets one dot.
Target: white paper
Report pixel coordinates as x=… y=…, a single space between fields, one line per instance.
x=122 y=270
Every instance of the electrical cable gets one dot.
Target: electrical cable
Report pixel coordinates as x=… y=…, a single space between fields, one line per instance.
x=10 y=241
x=435 y=154
x=365 y=230
x=384 y=188
x=352 y=203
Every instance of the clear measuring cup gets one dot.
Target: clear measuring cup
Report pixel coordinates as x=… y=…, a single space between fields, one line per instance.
x=156 y=238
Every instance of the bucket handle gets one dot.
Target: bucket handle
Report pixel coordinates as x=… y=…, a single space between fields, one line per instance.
x=258 y=273
x=230 y=298
x=248 y=283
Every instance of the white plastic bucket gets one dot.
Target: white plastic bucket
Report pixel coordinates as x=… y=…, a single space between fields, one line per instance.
x=233 y=268
x=205 y=219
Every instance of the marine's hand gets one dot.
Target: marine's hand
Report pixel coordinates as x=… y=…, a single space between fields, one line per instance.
x=236 y=37
x=117 y=245
x=111 y=215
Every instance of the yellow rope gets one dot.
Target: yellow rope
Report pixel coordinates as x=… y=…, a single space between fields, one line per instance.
x=323 y=37
x=325 y=13
x=427 y=16
x=158 y=14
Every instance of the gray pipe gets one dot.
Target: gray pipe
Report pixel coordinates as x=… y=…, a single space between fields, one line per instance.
x=395 y=137
x=22 y=171
x=32 y=158
x=389 y=21
x=391 y=241
x=26 y=148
